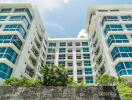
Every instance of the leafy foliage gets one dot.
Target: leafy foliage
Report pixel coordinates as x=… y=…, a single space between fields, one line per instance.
x=51 y=76
x=106 y=80
x=22 y=82
x=121 y=83
x=54 y=76
x=77 y=85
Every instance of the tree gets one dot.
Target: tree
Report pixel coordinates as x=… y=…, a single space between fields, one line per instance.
x=54 y=76
x=106 y=80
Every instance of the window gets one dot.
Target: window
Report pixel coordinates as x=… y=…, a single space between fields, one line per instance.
x=9 y=54
x=11 y=39
x=129 y=26
x=62 y=63
x=70 y=64
x=77 y=43
x=62 y=56
x=49 y=57
x=86 y=56
x=121 y=52
x=69 y=50
x=5 y=10
x=62 y=44
x=88 y=71
x=2 y=18
x=79 y=80
x=79 y=63
x=20 y=18
x=49 y=63
x=70 y=72
x=112 y=27
x=19 y=10
x=69 y=57
x=84 y=43
x=51 y=50
x=109 y=18
x=85 y=49
x=5 y=71
x=117 y=39
x=87 y=63
x=15 y=27
x=78 y=57
x=89 y=79
x=126 y=18
x=62 y=50
x=52 y=44
x=78 y=50
x=79 y=72
x=124 y=68
x=69 y=43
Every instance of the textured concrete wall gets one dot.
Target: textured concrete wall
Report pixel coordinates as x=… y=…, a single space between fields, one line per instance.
x=58 y=93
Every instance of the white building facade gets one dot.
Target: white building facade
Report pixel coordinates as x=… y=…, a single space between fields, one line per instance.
x=110 y=33
x=22 y=41
x=74 y=55
x=107 y=49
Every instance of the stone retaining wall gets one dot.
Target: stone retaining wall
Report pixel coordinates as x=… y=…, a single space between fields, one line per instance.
x=59 y=93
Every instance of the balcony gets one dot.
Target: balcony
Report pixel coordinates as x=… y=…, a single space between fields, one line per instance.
x=102 y=70
x=94 y=44
x=32 y=61
x=99 y=60
x=29 y=71
x=37 y=44
x=35 y=52
x=97 y=51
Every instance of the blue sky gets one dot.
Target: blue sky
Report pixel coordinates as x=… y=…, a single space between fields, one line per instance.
x=65 y=18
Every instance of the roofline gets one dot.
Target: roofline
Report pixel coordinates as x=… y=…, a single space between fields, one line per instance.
x=66 y=39
x=105 y=7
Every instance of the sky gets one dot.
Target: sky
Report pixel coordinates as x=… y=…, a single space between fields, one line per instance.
x=65 y=18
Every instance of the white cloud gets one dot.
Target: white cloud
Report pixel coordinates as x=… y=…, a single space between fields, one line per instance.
x=66 y=1
x=82 y=33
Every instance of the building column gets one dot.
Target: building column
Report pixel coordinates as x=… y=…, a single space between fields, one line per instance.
x=74 y=63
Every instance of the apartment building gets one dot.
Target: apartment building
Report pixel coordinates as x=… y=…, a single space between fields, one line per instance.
x=107 y=49
x=110 y=33
x=74 y=55
x=22 y=41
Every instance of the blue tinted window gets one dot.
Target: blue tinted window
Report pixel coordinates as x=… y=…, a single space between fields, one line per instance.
x=112 y=27
x=129 y=26
x=9 y=54
x=89 y=79
x=126 y=18
x=121 y=52
x=87 y=63
x=20 y=18
x=62 y=50
x=85 y=49
x=62 y=44
x=11 y=39
x=124 y=68
x=15 y=27
x=2 y=18
x=62 y=63
x=117 y=39
x=24 y=10
x=5 y=71
x=84 y=43
x=88 y=70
